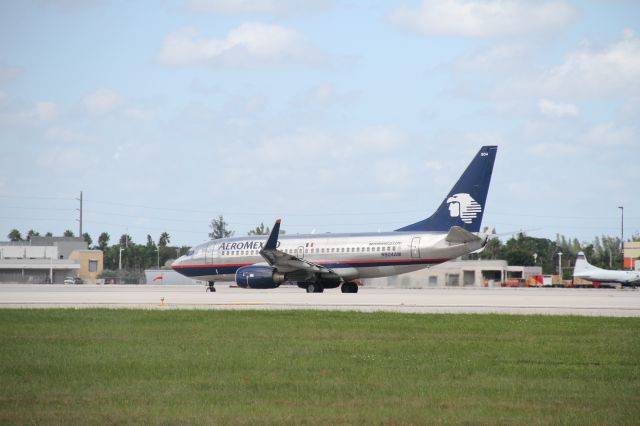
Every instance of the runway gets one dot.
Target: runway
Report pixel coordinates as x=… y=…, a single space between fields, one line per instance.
x=547 y=301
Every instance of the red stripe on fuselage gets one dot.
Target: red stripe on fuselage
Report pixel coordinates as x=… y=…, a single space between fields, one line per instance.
x=212 y=265
x=327 y=262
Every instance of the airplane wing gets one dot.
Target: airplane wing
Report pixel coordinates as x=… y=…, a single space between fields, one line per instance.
x=296 y=268
x=457 y=235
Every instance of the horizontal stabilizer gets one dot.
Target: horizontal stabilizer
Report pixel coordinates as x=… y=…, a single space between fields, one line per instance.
x=457 y=235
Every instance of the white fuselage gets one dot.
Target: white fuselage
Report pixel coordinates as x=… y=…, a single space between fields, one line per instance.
x=351 y=256
x=605 y=275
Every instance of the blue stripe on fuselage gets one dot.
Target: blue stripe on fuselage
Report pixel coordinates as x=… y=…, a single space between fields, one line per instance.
x=225 y=269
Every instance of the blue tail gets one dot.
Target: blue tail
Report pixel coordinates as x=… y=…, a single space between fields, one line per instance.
x=465 y=203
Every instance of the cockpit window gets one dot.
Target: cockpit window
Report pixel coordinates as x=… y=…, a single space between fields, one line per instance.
x=190 y=252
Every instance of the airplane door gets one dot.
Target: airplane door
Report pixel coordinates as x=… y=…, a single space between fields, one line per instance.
x=208 y=256
x=300 y=252
x=415 y=247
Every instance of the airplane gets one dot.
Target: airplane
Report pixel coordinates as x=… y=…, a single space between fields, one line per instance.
x=583 y=269
x=321 y=261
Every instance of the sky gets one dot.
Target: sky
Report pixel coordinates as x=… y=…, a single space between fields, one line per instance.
x=336 y=116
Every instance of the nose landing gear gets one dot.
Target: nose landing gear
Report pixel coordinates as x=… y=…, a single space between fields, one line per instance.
x=210 y=286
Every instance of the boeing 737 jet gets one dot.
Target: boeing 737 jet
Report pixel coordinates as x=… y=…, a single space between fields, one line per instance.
x=315 y=262
x=587 y=271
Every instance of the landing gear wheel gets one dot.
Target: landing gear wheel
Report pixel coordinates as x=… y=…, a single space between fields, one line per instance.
x=210 y=287
x=349 y=287
x=314 y=288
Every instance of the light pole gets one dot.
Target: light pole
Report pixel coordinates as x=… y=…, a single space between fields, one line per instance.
x=622 y=233
x=120 y=259
x=560 y=264
x=158 y=250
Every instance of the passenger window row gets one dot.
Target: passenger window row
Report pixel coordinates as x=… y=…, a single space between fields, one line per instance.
x=323 y=250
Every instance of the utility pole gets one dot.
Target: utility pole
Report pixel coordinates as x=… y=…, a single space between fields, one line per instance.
x=80 y=210
x=622 y=233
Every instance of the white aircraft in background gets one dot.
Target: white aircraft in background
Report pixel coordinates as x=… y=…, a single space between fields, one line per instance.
x=587 y=271
x=316 y=262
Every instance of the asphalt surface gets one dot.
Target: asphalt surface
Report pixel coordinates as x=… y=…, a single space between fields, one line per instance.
x=548 y=301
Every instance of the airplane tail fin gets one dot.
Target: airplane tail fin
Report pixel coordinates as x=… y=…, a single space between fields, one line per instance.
x=464 y=205
x=581 y=264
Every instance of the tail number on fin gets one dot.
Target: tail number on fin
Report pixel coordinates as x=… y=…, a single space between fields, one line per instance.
x=462 y=205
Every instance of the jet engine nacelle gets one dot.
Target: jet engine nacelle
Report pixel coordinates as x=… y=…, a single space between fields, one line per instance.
x=258 y=276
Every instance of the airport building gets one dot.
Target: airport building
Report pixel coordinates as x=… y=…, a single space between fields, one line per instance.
x=462 y=273
x=632 y=255
x=44 y=260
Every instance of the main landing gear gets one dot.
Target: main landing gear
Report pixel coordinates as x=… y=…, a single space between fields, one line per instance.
x=210 y=286
x=315 y=288
x=349 y=287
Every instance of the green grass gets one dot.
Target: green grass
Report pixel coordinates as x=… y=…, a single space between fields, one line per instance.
x=310 y=367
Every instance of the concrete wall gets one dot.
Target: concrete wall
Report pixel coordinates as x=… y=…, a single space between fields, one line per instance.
x=65 y=244
x=632 y=255
x=36 y=271
x=28 y=252
x=84 y=258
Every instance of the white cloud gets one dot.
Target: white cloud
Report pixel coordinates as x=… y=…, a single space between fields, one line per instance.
x=139 y=114
x=63 y=134
x=496 y=58
x=8 y=74
x=433 y=165
x=391 y=174
x=62 y=160
x=314 y=145
x=325 y=95
x=554 y=150
x=40 y=113
x=609 y=135
x=232 y=6
x=554 y=109
x=45 y=111
x=376 y=139
x=102 y=101
x=69 y=5
x=491 y=18
x=250 y=45
x=247 y=105
x=255 y=6
x=598 y=71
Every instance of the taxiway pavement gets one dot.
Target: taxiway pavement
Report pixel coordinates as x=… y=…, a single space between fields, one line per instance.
x=549 y=301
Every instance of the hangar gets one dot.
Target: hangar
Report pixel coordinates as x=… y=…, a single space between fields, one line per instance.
x=44 y=260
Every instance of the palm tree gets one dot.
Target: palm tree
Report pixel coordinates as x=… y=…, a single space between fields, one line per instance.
x=14 y=235
x=164 y=239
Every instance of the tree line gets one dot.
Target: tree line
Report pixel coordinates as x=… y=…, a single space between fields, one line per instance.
x=126 y=254
x=604 y=252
